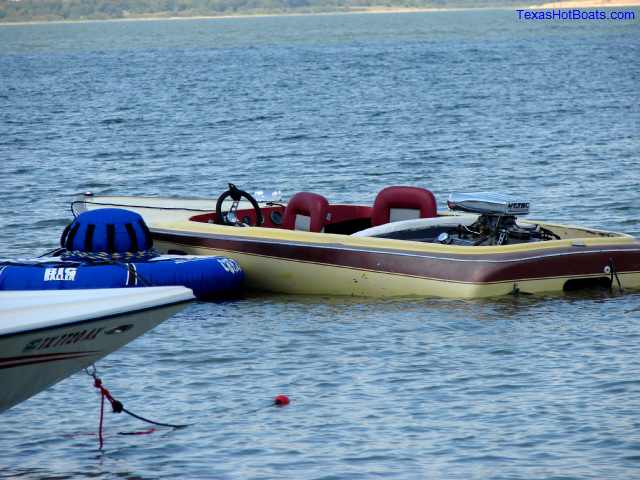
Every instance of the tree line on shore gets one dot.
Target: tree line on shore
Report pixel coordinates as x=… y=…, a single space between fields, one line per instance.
x=42 y=10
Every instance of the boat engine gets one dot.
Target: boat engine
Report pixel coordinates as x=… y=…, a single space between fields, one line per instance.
x=497 y=223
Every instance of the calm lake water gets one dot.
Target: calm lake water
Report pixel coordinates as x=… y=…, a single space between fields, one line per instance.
x=517 y=388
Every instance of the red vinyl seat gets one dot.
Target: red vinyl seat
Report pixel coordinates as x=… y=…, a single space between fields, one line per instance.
x=306 y=211
x=394 y=204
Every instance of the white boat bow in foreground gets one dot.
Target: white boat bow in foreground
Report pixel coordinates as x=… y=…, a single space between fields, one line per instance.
x=46 y=336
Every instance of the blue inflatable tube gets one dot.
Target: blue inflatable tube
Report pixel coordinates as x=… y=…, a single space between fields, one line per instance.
x=208 y=277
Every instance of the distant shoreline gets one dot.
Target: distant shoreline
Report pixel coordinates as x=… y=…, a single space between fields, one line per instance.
x=353 y=11
x=587 y=4
x=222 y=16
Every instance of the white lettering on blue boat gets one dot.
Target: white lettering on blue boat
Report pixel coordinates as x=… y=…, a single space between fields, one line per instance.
x=68 y=274
x=229 y=265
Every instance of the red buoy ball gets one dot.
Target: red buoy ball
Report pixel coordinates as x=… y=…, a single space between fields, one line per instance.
x=281 y=400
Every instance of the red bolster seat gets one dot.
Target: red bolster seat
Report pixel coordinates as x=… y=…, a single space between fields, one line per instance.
x=408 y=202
x=311 y=207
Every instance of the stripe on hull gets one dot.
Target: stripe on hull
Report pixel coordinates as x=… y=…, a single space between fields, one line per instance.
x=574 y=261
x=12 y=362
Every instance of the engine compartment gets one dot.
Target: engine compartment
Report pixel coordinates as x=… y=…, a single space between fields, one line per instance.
x=466 y=230
x=495 y=230
x=496 y=224
x=487 y=219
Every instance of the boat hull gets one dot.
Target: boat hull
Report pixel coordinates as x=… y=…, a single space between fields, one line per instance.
x=324 y=264
x=37 y=356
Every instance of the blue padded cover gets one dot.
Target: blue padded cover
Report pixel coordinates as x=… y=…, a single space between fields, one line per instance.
x=107 y=230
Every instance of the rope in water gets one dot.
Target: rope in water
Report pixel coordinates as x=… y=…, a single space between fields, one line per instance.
x=118 y=407
x=614 y=273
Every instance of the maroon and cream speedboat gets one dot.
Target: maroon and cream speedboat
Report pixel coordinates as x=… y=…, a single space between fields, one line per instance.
x=399 y=246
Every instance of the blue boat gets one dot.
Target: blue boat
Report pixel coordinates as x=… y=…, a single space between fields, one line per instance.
x=112 y=248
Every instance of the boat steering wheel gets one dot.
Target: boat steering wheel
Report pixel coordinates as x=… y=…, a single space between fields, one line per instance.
x=229 y=217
